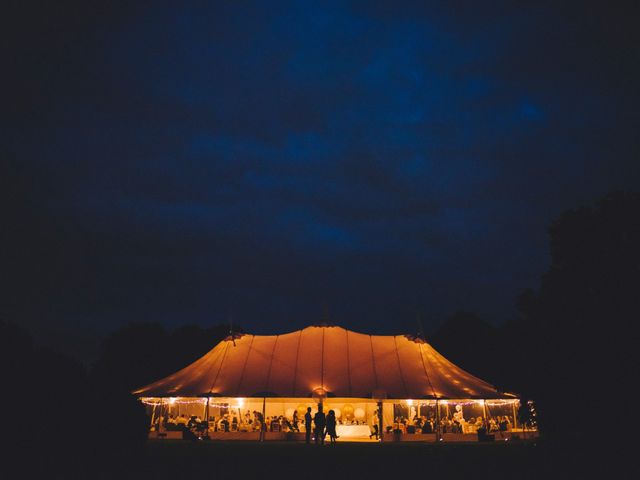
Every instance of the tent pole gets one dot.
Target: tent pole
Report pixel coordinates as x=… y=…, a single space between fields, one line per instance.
x=159 y=415
x=515 y=421
x=153 y=414
x=264 y=419
x=206 y=415
x=380 y=431
x=486 y=416
x=438 y=433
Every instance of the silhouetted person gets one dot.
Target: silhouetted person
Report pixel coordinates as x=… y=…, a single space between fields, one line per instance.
x=331 y=426
x=320 y=421
x=190 y=421
x=427 y=427
x=295 y=421
x=307 y=425
x=376 y=430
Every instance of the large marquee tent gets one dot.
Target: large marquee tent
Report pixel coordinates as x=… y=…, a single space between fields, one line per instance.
x=366 y=379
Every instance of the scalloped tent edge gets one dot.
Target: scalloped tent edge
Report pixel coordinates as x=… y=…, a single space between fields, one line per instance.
x=328 y=359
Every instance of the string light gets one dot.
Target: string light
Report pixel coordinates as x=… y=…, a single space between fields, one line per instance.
x=174 y=401
x=191 y=401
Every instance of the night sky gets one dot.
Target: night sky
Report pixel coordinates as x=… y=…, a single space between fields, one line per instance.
x=272 y=160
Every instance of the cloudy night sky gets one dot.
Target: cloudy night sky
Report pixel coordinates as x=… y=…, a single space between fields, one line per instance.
x=269 y=160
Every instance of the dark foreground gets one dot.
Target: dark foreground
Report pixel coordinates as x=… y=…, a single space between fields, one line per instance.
x=220 y=460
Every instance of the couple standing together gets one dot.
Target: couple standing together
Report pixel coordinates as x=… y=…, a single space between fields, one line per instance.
x=323 y=425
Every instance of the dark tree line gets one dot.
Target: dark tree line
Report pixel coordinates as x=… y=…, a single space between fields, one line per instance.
x=60 y=416
x=574 y=347
x=582 y=318
x=141 y=353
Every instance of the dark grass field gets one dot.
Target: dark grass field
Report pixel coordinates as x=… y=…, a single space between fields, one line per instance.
x=354 y=461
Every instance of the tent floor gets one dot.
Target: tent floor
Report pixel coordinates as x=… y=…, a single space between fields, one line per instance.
x=387 y=438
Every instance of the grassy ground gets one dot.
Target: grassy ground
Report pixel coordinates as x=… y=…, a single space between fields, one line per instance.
x=354 y=461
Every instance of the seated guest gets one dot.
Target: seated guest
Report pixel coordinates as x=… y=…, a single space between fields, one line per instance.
x=444 y=425
x=258 y=416
x=493 y=426
x=192 y=422
x=201 y=426
x=287 y=425
x=275 y=425
x=171 y=420
x=224 y=423
x=503 y=424
x=508 y=422
x=427 y=427
x=181 y=420
x=456 y=427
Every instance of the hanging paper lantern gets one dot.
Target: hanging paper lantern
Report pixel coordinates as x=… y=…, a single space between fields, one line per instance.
x=359 y=413
x=347 y=410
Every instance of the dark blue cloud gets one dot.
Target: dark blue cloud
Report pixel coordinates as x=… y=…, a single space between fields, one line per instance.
x=265 y=159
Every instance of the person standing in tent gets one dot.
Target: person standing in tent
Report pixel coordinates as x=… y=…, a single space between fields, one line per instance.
x=320 y=421
x=374 y=426
x=307 y=425
x=295 y=421
x=331 y=426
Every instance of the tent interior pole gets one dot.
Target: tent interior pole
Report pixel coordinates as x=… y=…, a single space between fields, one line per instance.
x=263 y=427
x=153 y=414
x=206 y=415
x=438 y=431
x=160 y=414
x=486 y=415
x=380 y=431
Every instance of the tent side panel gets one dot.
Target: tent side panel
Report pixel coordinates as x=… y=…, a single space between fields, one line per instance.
x=336 y=376
x=413 y=368
x=309 y=371
x=256 y=373
x=389 y=374
x=282 y=369
x=225 y=382
x=363 y=373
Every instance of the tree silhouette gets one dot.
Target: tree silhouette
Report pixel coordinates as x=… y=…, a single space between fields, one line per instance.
x=140 y=353
x=51 y=398
x=470 y=342
x=581 y=323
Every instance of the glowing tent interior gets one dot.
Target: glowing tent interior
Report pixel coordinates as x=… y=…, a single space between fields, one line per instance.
x=259 y=386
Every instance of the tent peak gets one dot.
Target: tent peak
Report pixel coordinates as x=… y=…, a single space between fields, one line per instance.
x=234 y=336
x=415 y=338
x=323 y=324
